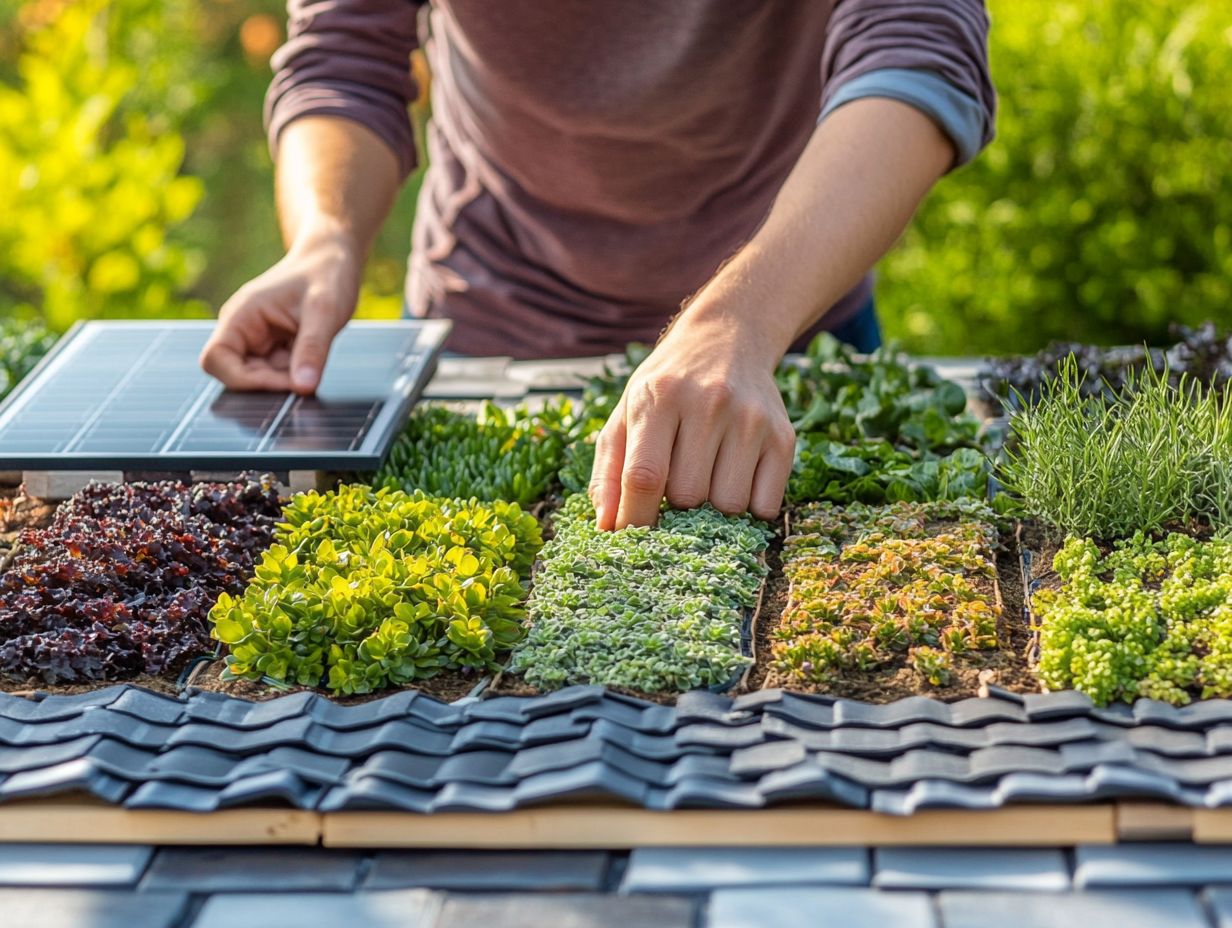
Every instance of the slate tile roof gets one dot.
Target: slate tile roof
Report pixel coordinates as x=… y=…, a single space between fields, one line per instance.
x=206 y=751
x=664 y=888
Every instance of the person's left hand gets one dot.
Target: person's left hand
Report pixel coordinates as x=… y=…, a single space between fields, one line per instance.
x=700 y=419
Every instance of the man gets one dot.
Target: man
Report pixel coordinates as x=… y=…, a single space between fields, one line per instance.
x=593 y=165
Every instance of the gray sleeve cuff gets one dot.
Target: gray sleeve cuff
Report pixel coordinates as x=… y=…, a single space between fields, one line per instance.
x=959 y=115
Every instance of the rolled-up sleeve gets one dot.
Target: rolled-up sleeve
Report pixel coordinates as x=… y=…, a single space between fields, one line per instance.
x=347 y=58
x=875 y=47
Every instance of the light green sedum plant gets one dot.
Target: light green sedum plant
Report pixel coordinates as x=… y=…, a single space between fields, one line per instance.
x=1150 y=618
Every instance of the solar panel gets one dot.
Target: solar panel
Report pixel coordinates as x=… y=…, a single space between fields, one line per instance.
x=130 y=395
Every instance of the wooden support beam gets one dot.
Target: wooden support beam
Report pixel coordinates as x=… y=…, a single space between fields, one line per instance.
x=1154 y=821
x=566 y=827
x=1212 y=826
x=618 y=827
x=97 y=823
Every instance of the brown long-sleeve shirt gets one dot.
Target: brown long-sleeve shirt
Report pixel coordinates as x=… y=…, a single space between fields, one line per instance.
x=592 y=163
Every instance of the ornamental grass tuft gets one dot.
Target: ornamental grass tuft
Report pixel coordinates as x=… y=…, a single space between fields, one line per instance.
x=1151 y=455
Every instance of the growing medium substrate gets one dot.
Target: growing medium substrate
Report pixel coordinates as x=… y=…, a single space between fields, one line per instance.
x=653 y=610
x=121 y=582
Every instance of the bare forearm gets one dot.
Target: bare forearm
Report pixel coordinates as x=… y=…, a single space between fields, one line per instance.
x=702 y=417
x=335 y=180
x=850 y=195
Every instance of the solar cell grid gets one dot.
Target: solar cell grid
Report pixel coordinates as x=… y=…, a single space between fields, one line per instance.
x=130 y=395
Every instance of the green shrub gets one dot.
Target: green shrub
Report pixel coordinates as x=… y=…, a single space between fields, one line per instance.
x=499 y=454
x=656 y=610
x=1148 y=456
x=378 y=588
x=90 y=156
x=22 y=343
x=1149 y=618
x=1100 y=212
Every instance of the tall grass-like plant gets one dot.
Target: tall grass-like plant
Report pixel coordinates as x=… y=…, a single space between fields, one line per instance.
x=1155 y=454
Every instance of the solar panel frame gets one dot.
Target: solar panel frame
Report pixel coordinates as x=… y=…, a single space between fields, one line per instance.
x=415 y=368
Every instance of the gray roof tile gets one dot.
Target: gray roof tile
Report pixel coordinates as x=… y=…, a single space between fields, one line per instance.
x=408 y=908
x=252 y=869
x=1140 y=865
x=799 y=907
x=31 y=757
x=689 y=870
x=1124 y=909
x=934 y=868
x=488 y=871
x=566 y=911
x=81 y=775
x=72 y=864
x=90 y=908
x=373 y=793
x=46 y=708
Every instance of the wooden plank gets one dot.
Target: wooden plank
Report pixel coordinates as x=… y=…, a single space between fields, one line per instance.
x=1154 y=821
x=1212 y=826
x=91 y=823
x=616 y=827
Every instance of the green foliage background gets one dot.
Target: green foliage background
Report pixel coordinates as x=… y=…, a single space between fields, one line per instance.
x=1102 y=211
x=134 y=178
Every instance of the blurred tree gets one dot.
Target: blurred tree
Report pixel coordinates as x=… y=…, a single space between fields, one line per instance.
x=1101 y=212
x=90 y=183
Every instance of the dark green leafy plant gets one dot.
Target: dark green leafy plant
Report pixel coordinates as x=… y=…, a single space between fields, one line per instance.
x=1141 y=458
x=1148 y=618
x=656 y=610
x=871 y=430
x=502 y=454
x=366 y=589
x=875 y=472
x=832 y=394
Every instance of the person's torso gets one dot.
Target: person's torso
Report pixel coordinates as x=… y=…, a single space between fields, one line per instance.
x=603 y=158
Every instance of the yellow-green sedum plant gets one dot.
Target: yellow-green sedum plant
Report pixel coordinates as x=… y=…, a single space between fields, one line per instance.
x=365 y=589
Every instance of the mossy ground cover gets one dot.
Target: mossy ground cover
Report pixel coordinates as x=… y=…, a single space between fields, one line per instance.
x=652 y=610
x=874 y=590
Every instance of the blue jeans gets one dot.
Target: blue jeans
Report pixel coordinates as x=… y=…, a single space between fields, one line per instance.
x=862 y=331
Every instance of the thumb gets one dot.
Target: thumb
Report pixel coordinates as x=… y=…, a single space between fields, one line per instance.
x=317 y=328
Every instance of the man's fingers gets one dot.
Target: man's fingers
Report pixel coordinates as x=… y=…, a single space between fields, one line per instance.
x=773 y=471
x=697 y=444
x=317 y=328
x=731 y=485
x=605 y=475
x=648 y=456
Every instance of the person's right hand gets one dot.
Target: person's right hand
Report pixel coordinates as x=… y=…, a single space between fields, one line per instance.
x=275 y=332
